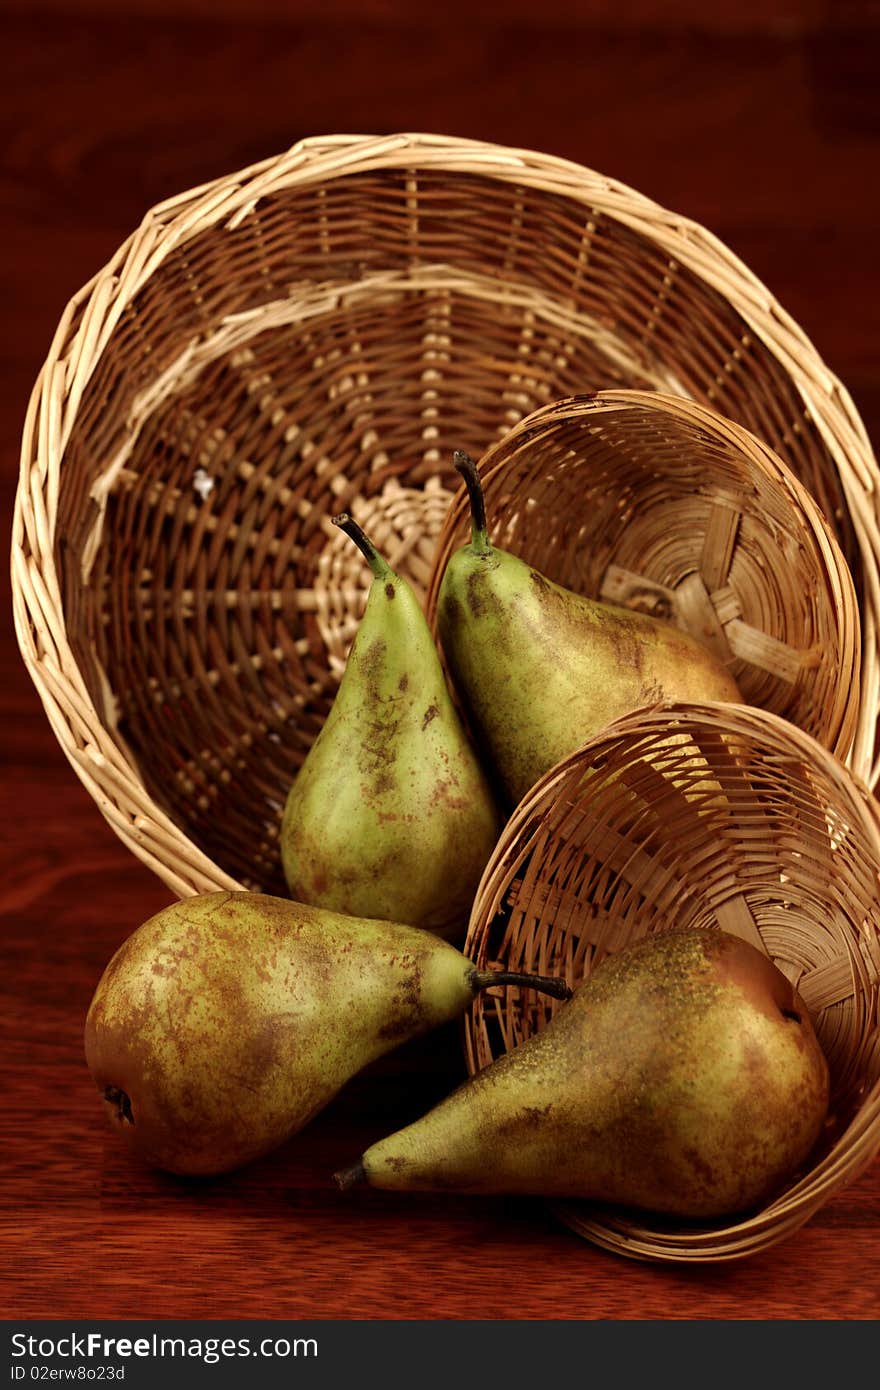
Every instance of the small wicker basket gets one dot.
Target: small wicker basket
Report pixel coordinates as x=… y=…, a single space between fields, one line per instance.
x=318 y=333
x=657 y=503
x=736 y=820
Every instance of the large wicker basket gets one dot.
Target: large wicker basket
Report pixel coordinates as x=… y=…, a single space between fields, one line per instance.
x=736 y=820
x=319 y=332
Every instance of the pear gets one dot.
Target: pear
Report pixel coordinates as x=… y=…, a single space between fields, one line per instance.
x=226 y=1021
x=540 y=669
x=683 y=1076
x=391 y=814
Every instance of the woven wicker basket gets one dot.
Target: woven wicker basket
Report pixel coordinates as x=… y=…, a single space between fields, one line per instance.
x=739 y=821
x=319 y=332
x=660 y=504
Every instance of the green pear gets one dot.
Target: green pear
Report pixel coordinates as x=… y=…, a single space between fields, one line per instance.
x=683 y=1076
x=226 y=1021
x=540 y=669
x=391 y=814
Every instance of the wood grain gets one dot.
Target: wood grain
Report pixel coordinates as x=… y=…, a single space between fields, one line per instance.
x=765 y=130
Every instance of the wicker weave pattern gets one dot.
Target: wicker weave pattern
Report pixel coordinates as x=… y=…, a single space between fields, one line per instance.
x=742 y=822
x=656 y=503
x=320 y=331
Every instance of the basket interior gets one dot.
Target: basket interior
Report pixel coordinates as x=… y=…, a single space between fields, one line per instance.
x=329 y=350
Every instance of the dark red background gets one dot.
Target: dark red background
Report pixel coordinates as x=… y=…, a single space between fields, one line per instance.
x=759 y=119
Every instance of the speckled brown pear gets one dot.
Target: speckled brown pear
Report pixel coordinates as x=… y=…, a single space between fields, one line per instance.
x=391 y=814
x=683 y=1077
x=540 y=669
x=226 y=1021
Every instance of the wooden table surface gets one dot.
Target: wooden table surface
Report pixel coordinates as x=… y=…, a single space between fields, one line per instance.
x=760 y=120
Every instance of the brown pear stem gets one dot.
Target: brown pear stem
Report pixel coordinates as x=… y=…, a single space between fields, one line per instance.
x=479 y=530
x=378 y=565
x=355 y=1175
x=553 y=985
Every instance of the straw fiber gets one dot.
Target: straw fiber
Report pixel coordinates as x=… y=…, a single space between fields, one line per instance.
x=734 y=820
x=317 y=333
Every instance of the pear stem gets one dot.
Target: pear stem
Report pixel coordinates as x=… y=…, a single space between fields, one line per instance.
x=553 y=985
x=378 y=565
x=355 y=1175
x=479 y=530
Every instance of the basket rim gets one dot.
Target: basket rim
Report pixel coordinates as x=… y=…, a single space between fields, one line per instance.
x=88 y=321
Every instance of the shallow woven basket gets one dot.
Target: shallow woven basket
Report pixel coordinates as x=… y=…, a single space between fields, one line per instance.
x=315 y=333
x=659 y=504
x=735 y=820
